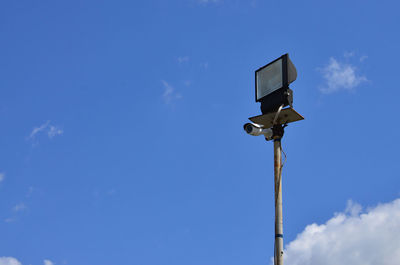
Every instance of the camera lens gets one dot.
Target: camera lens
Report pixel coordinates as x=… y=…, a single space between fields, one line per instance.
x=249 y=128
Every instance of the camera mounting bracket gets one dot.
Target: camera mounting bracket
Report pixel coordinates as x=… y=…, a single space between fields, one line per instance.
x=285 y=116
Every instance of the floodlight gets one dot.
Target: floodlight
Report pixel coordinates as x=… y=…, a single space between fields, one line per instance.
x=272 y=84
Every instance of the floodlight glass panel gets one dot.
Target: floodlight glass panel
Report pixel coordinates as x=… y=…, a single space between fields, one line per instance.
x=269 y=79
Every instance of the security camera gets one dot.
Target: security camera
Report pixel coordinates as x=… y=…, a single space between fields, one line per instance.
x=256 y=130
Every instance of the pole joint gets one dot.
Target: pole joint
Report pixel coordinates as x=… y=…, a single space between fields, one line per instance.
x=277 y=131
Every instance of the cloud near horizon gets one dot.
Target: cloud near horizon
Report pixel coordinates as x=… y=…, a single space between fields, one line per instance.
x=48 y=262
x=14 y=261
x=340 y=76
x=9 y=261
x=352 y=237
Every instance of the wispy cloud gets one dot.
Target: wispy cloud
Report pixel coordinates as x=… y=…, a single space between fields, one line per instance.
x=39 y=129
x=19 y=207
x=340 y=76
x=46 y=128
x=101 y=193
x=351 y=237
x=9 y=261
x=14 y=261
x=183 y=59
x=48 y=262
x=9 y=220
x=348 y=54
x=2 y=176
x=169 y=94
x=53 y=131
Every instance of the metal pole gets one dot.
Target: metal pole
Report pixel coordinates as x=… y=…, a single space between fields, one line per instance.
x=278 y=255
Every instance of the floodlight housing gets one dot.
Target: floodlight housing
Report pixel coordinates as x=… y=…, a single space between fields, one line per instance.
x=272 y=84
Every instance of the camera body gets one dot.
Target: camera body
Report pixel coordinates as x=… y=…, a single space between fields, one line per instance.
x=256 y=130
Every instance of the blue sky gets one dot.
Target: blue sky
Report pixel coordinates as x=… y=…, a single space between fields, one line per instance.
x=122 y=139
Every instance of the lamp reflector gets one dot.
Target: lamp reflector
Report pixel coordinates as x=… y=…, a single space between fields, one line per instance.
x=269 y=79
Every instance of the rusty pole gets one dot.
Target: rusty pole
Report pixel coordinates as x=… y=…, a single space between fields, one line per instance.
x=278 y=255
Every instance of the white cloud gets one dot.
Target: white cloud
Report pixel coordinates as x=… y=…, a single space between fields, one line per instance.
x=46 y=128
x=48 y=262
x=348 y=54
x=19 y=207
x=169 y=93
x=9 y=261
x=353 y=237
x=53 y=131
x=14 y=261
x=183 y=59
x=340 y=76
x=2 y=176
x=37 y=130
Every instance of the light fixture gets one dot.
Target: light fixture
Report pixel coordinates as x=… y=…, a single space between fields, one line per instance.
x=272 y=84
